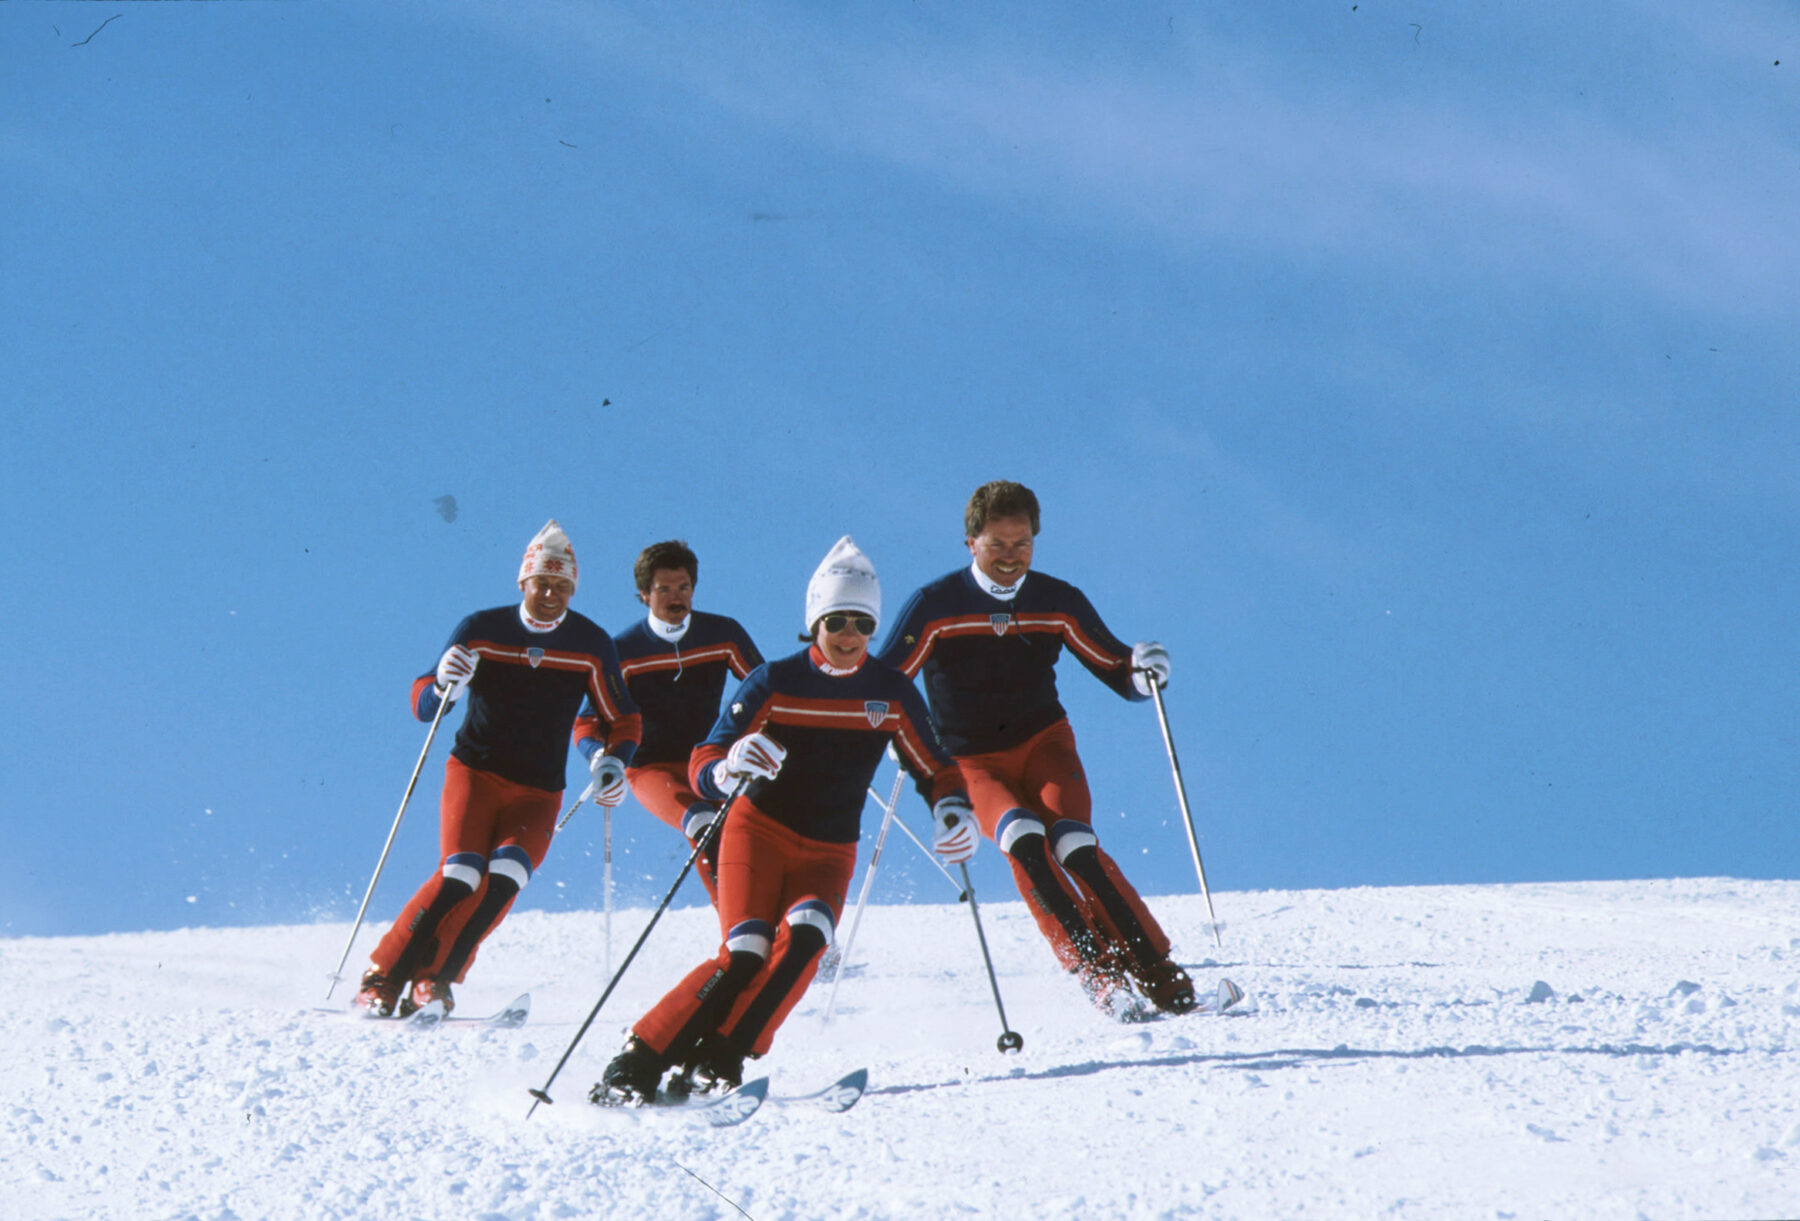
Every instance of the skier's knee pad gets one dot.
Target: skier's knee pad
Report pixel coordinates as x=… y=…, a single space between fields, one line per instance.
x=1074 y=843
x=809 y=927
x=1019 y=833
x=464 y=870
x=752 y=938
x=696 y=819
x=510 y=865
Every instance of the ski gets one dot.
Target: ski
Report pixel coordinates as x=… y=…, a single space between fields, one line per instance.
x=732 y=1107
x=835 y=1098
x=725 y=1110
x=1228 y=999
x=509 y=1018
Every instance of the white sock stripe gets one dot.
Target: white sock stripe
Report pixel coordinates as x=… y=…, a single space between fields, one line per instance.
x=516 y=868
x=698 y=819
x=1068 y=837
x=459 y=869
x=751 y=937
x=1015 y=825
x=812 y=914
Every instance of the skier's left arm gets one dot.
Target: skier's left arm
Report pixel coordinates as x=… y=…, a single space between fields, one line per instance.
x=938 y=779
x=921 y=753
x=1129 y=670
x=745 y=655
x=610 y=723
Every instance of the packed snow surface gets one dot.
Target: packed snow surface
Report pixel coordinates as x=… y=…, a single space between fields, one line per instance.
x=1574 y=1050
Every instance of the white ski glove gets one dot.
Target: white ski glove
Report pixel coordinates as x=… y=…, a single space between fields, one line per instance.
x=756 y=756
x=956 y=832
x=455 y=669
x=1149 y=661
x=609 y=779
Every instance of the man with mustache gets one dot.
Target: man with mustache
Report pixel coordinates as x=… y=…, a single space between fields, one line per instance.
x=674 y=660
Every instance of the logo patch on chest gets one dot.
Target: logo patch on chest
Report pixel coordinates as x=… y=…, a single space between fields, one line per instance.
x=999 y=623
x=877 y=711
x=533 y=656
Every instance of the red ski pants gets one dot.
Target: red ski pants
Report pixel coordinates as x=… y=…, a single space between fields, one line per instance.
x=478 y=814
x=1043 y=777
x=663 y=789
x=769 y=877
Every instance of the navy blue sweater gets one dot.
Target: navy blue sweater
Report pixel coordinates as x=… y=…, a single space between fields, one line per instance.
x=677 y=684
x=989 y=665
x=835 y=729
x=528 y=688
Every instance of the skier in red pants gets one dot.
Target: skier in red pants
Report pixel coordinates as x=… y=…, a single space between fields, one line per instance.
x=526 y=669
x=985 y=639
x=675 y=661
x=806 y=732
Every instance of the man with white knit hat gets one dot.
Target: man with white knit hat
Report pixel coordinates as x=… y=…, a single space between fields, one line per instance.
x=798 y=744
x=526 y=669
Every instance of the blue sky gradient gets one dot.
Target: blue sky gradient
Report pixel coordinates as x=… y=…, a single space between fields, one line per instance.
x=1423 y=378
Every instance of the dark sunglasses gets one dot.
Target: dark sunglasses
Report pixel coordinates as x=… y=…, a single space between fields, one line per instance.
x=864 y=625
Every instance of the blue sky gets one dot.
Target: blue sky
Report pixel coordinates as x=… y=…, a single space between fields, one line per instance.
x=1422 y=376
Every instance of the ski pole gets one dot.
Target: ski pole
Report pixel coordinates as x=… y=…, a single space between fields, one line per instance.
x=931 y=856
x=712 y=832
x=887 y=820
x=1009 y=1040
x=1162 y=715
x=608 y=885
x=368 y=894
x=570 y=812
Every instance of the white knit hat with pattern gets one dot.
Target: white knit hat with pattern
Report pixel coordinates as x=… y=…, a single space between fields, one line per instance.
x=845 y=581
x=550 y=554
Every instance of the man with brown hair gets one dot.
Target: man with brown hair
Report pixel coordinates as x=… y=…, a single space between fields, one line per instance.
x=986 y=639
x=675 y=660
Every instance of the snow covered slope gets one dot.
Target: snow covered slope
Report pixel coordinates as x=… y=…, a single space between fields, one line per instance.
x=1403 y=1061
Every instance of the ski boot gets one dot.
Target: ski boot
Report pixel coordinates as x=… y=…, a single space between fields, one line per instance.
x=1166 y=985
x=632 y=1077
x=1110 y=993
x=428 y=995
x=378 y=994
x=712 y=1069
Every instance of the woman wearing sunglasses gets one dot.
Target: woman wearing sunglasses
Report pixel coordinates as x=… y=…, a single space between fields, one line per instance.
x=803 y=735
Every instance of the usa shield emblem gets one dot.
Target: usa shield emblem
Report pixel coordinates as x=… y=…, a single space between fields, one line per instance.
x=534 y=656
x=998 y=623
x=877 y=711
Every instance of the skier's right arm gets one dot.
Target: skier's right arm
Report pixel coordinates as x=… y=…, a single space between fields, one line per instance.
x=745 y=713
x=907 y=644
x=426 y=691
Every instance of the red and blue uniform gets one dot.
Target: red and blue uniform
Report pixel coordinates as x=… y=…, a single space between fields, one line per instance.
x=504 y=779
x=788 y=847
x=988 y=665
x=677 y=685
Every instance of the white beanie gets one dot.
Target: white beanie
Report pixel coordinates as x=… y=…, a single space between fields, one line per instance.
x=550 y=555
x=845 y=581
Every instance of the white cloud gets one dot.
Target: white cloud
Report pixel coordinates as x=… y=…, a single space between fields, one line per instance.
x=1230 y=146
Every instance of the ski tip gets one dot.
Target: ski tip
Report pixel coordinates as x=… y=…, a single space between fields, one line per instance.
x=738 y=1105
x=1233 y=999
x=514 y=1014
x=845 y=1092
